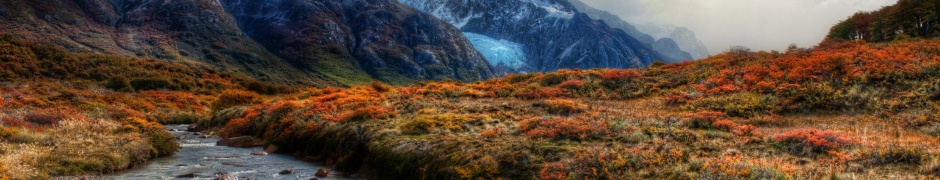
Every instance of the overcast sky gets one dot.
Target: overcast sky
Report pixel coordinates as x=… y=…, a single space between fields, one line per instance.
x=757 y=24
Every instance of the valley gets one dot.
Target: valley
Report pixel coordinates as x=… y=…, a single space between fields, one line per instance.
x=448 y=89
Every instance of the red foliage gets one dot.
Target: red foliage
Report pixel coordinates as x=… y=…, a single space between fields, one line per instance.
x=674 y=99
x=819 y=140
x=571 y=84
x=563 y=128
x=704 y=119
x=553 y=171
x=620 y=74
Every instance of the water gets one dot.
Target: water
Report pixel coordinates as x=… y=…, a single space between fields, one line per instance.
x=205 y=160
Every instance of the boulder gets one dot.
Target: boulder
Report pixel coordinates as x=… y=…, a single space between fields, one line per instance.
x=187 y=175
x=287 y=171
x=322 y=173
x=193 y=128
x=226 y=176
x=271 y=148
x=240 y=142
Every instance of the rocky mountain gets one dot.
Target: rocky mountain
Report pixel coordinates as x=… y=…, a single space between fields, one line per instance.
x=552 y=34
x=684 y=37
x=288 y=41
x=665 y=46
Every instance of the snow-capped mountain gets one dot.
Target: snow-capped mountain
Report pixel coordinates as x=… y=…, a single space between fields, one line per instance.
x=552 y=34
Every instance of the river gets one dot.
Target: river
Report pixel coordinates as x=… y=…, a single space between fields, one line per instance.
x=200 y=158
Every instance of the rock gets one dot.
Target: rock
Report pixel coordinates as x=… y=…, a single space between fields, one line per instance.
x=181 y=137
x=193 y=128
x=182 y=165
x=259 y=153
x=314 y=178
x=187 y=175
x=204 y=136
x=240 y=142
x=271 y=148
x=197 y=133
x=287 y=171
x=226 y=176
x=322 y=173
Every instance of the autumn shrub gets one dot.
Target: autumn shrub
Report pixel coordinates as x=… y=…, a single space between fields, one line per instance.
x=894 y=155
x=703 y=119
x=563 y=106
x=143 y=84
x=737 y=167
x=423 y=124
x=6 y=132
x=676 y=99
x=565 y=128
x=808 y=142
x=163 y=143
x=179 y=118
x=739 y=104
x=551 y=79
x=493 y=132
x=42 y=119
x=120 y=83
x=380 y=86
x=232 y=98
x=368 y=112
x=571 y=85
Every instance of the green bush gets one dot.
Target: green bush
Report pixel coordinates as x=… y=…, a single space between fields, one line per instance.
x=163 y=143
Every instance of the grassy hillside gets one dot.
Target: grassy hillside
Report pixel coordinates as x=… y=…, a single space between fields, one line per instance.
x=840 y=110
x=81 y=113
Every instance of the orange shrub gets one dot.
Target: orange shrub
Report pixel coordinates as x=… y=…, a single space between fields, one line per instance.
x=704 y=119
x=232 y=98
x=565 y=128
x=571 y=84
x=808 y=141
x=493 y=132
x=564 y=106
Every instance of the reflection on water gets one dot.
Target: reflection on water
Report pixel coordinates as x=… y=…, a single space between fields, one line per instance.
x=200 y=158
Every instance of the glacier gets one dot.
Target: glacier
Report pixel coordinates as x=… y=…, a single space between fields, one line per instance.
x=498 y=52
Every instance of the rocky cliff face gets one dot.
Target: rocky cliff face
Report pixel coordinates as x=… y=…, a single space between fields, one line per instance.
x=388 y=41
x=289 y=41
x=665 y=46
x=553 y=33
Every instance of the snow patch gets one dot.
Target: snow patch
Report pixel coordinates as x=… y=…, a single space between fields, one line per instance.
x=554 y=10
x=507 y=53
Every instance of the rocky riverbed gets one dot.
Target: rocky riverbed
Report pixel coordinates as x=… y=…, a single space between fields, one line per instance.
x=200 y=158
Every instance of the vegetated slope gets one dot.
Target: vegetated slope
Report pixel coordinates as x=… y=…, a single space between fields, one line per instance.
x=840 y=110
x=554 y=35
x=320 y=43
x=67 y=113
x=906 y=19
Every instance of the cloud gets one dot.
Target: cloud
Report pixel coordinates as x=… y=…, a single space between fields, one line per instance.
x=757 y=24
